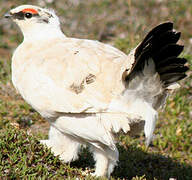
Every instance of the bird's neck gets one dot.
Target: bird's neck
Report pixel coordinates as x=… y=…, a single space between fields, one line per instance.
x=42 y=33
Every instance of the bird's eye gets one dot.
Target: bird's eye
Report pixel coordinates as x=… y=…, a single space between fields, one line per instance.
x=28 y=15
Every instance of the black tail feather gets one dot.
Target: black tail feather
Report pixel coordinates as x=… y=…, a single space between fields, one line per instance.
x=159 y=41
x=169 y=37
x=157 y=30
x=169 y=78
x=173 y=68
x=168 y=51
x=160 y=45
x=171 y=60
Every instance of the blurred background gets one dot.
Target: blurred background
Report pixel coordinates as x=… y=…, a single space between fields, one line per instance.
x=123 y=24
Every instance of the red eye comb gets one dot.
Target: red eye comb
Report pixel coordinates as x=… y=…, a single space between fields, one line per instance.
x=33 y=11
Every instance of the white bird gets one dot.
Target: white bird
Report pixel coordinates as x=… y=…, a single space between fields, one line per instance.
x=90 y=91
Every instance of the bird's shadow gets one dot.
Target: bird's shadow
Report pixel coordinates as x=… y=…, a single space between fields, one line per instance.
x=135 y=162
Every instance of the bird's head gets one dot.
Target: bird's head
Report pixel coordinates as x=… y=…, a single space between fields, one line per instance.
x=33 y=19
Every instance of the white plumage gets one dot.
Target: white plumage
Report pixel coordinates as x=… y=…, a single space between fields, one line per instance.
x=88 y=90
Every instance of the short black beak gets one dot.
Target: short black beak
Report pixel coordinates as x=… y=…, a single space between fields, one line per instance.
x=8 y=15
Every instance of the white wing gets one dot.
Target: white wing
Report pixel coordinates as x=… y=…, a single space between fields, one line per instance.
x=69 y=75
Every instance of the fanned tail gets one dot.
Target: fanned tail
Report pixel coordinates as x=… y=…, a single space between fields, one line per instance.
x=161 y=45
x=155 y=70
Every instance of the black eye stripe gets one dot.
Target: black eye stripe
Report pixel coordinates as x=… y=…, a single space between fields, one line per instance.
x=21 y=15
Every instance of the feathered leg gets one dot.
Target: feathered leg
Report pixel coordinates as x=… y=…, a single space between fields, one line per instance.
x=65 y=146
x=105 y=161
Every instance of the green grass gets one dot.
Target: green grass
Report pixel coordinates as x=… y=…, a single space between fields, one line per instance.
x=22 y=156
x=122 y=24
